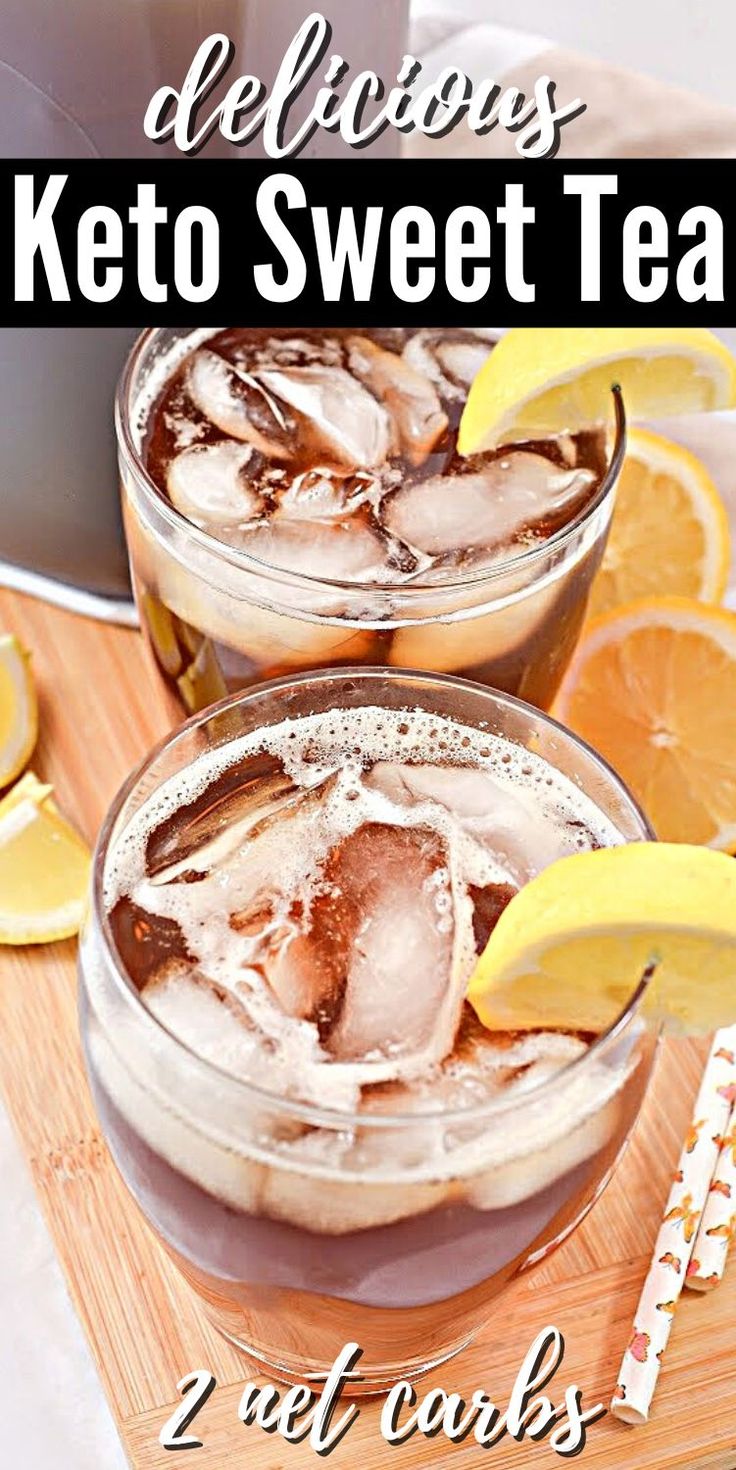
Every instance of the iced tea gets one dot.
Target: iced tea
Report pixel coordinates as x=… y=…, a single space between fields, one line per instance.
x=292 y=1083
x=295 y=500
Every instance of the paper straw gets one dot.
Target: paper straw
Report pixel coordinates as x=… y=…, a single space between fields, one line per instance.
x=676 y=1238
x=718 y=1225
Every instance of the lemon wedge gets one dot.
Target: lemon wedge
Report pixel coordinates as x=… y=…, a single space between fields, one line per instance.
x=30 y=787
x=18 y=708
x=542 y=381
x=44 y=867
x=572 y=946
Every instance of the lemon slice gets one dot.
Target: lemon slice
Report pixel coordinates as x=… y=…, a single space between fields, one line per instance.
x=572 y=946
x=670 y=531
x=652 y=686
x=44 y=867
x=18 y=708
x=542 y=381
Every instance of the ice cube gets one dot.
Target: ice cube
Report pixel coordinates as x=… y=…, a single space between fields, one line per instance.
x=236 y=403
x=305 y=975
x=208 y=484
x=369 y=941
x=482 y=1066
x=410 y=954
x=379 y=957
x=499 y=814
x=343 y=551
x=547 y=1147
x=308 y=1191
x=346 y=418
x=324 y=494
x=468 y=642
x=232 y=897
x=204 y=1016
x=486 y=508
x=292 y=351
x=410 y=396
x=462 y=359
x=482 y=1069
x=272 y=637
x=214 y=1023
x=400 y=962
x=214 y=826
x=450 y=359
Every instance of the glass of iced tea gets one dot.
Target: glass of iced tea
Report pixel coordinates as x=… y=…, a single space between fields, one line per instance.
x=295 y=500
x=289 y=895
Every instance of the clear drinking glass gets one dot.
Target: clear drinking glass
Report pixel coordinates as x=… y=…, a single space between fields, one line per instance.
x=287 y=1279
x=217 y=619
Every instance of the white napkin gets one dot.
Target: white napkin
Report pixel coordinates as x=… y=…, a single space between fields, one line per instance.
x=52 y=1408
x=627 y=115
x=442 y=39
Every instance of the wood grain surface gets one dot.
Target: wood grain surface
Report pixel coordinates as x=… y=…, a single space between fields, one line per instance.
x=101 y=707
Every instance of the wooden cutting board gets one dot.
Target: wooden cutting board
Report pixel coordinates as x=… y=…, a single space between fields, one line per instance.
x=101 y=708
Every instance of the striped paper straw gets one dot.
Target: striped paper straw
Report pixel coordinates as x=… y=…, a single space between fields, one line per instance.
x=674 y=1247
x=718 y=1225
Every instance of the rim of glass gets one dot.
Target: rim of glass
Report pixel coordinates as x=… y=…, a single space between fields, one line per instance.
x=311 y=1112
x=246 y=562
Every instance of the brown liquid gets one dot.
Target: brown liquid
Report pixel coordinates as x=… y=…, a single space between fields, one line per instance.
x=524 y=655
x=410 y=1294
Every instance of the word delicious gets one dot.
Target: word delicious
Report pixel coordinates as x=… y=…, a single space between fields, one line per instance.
x=325 y=1421
x=292 y=251
x=433 y=109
